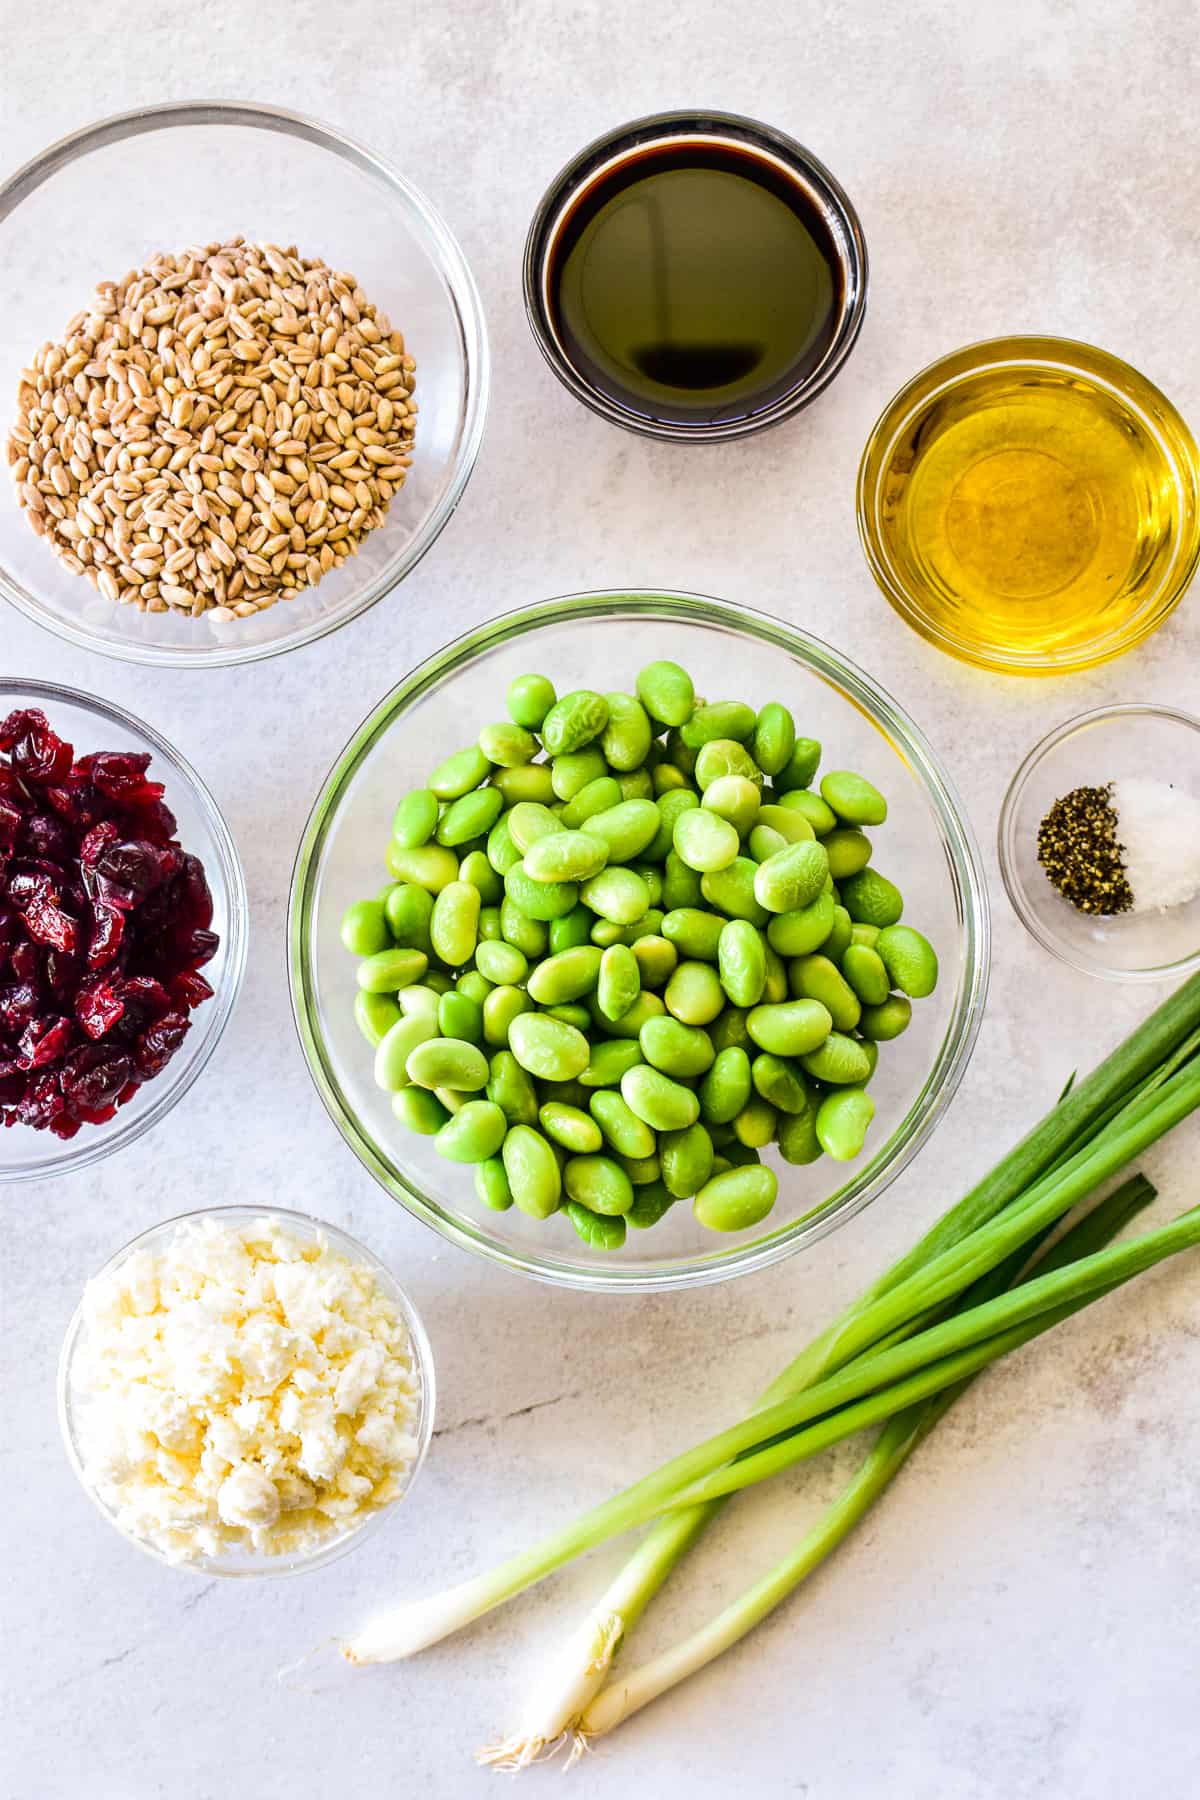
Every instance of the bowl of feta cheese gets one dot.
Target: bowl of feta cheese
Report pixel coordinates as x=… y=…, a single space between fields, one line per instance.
x=245 y=1391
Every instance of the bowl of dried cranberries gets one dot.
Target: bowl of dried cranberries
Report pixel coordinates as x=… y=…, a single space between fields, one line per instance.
x=122 y=928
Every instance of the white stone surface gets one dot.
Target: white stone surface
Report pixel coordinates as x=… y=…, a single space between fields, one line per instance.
x=1020 y=1618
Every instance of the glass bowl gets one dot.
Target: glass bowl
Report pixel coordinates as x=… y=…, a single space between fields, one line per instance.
x=600 y=640
x=1113 y=426
x=67 y=222
x=1114 y=743
x=248 y=1562
x=92 y=724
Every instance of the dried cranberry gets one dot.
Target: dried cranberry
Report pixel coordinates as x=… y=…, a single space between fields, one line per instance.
x=198 y=947
x=42 y=1102
x=11 y=821
x=159 y=1042
x=20 y=1005
x=108 y=931
x=25 y=961
x=62 y=975
x=67 y=1127
x=190 y=988
x=94 y=842
x=121 y=774
x=155 y=821
x=37 y=753
x=13 y=1082
x=195 y=900
x=47 y=923
x=46 y=837
x=93 y=1080
x=143 y=998
x=127 y=872
x=45 y=1040
x=77 y=802
x=31 y=882
x=98 y=1006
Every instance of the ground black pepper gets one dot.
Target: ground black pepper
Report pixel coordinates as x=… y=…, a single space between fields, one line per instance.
x=1079 y=849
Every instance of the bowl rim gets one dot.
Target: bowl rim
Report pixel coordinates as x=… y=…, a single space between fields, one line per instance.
x=465 y=300
x=422 y=1358
x=823 y=187
x=1006 y=847
x=1029 y=350
x=103 y=1140
x=964 y=866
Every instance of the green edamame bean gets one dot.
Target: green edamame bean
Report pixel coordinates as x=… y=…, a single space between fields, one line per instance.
x=789 y=1027
x=608 y=1062
x=408 y=910
x=604 y=932
x=675 y=1048
x=756 y=1124
x=415 y=818
x=375 y=1014
x=529 y=699
x=785 y=820
x=658 y=1101
x=438 y=1062
x=774 y=738
x=681 y=885
x=742 y=962
x=470 y=817
x=882 y=1023
x=735 y=798
x=848 y=851
x=568 y=1126
x=508 y=745
x=730 y=719
x=667 y=778
x=420 y=998
x=454 y=926
x=528 y=821
x=725 y=1090
x=575 y=720
x=540 y=899
x=853 y=798
x=439 y=981
x=842 y=1121
x=532 y=1170
x=764 y=842
x=730 y=1029
x=429 y=866
x=475 y=986
x=641 y=1170
x=666 y=692
x=909 y=959
x=459 y=1016
x=476 y=869
x=797 y=1136
x=628 y=1135
x=570 y=930
x=838 y=941
x=502 y=853
x=705 y=841
x=364 y=928
x=571 y=1013
x=649 y=1206
x=570 y=774
x=598 y=1183
x=599 y=796
x=779 y=1084
x=565 y=856
x=736 y=1199
x=866 y=974
x=491 y=1183
x=695 y=933
x=626 y=738
x=419 y=1110
x=646 y=1006
x=656 y=959
x=775 y=987
x=567 y=976
x=840 y=1061
x=694 y=993
x=459 y=773
x=653 y=880
x=687 y=1160
x=871 y=899
x=864 y=934
x=511 y=1088
x=627 y=828
x=389 y=970
x=533 y=782
x=597 y=1231
x=801 y=932
x=810 y=806
x=616 y=894
x=792 y=878
x=547 y=1047
x=475 y=1132
x=721 y=758
x=669 y=806
x=619 y=982
x=397 y=1045
x=530 y=936
x=802 y=765
x=872 y=1052
x=731 y=891
x=501 y=963
x=817 y=978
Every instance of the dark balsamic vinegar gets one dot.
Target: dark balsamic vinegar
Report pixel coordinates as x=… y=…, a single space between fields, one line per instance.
x=696 y=282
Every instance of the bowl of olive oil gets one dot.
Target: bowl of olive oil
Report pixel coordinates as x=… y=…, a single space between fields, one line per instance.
x=1031 y=504
x=695 y=276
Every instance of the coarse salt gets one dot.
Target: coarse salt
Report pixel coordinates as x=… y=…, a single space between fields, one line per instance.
x=1159 y=831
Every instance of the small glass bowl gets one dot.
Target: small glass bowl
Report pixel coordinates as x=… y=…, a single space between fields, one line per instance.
x=210 y=170
x=247 y=1562
x=600 y=640
x=1113 y=743
x=92 y=724
x=1002 y=373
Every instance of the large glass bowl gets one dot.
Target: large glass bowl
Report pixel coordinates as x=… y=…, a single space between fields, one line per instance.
x=600 y=640
x=99 y=202
x=91 y=724
x=72 y=1402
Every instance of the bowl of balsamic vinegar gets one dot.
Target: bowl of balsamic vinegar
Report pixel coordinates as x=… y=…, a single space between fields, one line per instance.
x=695 y=276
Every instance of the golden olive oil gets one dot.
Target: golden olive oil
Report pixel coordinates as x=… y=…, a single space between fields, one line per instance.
x=1034 y=516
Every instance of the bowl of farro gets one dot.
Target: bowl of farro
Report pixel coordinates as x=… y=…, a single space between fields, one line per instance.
x=243 y=381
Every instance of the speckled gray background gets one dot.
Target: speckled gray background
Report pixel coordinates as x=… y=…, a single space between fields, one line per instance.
x=1020 y=1618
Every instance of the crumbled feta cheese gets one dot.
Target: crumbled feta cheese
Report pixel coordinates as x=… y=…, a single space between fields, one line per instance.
x=244 y=1387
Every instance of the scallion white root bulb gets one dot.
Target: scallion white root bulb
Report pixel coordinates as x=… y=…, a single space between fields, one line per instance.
x=414 y=1626
x=577 y=1671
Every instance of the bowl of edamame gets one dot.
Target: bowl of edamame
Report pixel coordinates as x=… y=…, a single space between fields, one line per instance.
x=637 y=939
